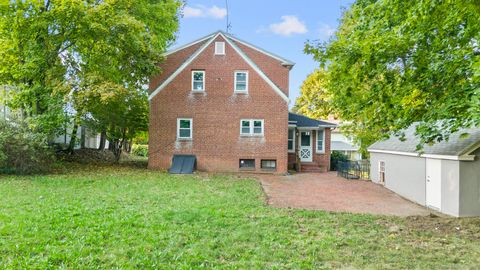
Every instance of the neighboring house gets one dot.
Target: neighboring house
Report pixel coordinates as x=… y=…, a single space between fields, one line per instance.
x=90 y=138
x=226 y=102
x=342 y=143
x=444 y=176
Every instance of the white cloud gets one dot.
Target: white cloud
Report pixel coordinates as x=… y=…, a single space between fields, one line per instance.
x=326 y=31
x=190 y=12
x=288 y=26
x=200 y=11
x=217 y=13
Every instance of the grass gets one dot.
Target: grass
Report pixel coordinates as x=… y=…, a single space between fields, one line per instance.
x=119 y=217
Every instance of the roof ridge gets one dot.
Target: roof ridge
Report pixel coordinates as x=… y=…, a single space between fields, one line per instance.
x=256 y=67
x=202 y=48
x=248 y=44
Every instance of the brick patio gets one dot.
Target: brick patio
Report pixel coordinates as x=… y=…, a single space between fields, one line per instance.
x=326 y=191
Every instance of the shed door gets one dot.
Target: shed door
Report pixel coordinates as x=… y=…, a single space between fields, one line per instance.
x=434 y=183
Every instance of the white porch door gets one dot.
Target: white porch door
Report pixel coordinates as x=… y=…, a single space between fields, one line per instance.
x=306 y=146
x=433 y=196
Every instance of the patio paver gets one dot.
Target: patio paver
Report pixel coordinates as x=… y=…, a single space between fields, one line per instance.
x=327 y=191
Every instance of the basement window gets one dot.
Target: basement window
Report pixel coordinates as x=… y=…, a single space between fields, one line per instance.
x=269 y=164
x=247 y=163
x=219 y=48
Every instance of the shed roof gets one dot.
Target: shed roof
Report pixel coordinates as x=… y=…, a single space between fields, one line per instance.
x=303 y=121
x=457 y=145
x=342 y=146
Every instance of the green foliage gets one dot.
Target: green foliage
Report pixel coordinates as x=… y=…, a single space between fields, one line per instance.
x=335 y=157
x=23 y=150
x=97 y=217
x=120 y=111
x=140 y=150
x=314 y=100
x=50 y=50
x=141 y=138
x=393 y=62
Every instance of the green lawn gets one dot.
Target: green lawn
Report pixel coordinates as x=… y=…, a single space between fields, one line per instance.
x=120 y=217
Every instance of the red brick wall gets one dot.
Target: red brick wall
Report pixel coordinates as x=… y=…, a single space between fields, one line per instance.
x=272 y=68
x=320 y=159
x=216 y=115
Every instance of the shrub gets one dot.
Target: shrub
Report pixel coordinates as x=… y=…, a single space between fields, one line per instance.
x=335 y=157
x=23 y=150
x=140 y=150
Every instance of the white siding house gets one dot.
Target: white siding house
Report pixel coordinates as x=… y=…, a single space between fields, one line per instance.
x=444 y=176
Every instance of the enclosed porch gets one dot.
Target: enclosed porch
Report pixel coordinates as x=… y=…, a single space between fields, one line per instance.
x=308 y=144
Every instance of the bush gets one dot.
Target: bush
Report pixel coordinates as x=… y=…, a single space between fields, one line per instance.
x=22 y=150
x=335 y=157
x=140 y=150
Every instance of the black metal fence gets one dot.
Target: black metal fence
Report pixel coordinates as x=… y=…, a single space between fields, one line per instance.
x=354 y=169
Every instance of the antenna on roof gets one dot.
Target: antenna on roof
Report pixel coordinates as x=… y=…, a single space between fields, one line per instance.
x=229 y=26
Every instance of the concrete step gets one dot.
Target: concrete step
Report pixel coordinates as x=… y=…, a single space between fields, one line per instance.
x=311 y=168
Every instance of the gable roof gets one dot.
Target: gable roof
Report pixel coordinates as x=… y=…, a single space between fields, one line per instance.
x=231 y=41
x=303 y=121
x=456 y=146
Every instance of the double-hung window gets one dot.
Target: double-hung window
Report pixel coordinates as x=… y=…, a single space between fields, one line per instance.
x=291 y=140
x=198 y=80
x=321 y=141
x=184 y=128
x=251 y=127
x=241 y=82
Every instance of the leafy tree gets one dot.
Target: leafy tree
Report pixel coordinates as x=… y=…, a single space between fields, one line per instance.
x=393 y=62
x=314 y=100
x=117 y=110
x=51 y=49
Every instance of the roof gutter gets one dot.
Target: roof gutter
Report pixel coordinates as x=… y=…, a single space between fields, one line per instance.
x=447 y=157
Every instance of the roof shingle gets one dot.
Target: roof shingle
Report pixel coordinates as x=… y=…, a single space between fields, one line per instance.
x=455 y=146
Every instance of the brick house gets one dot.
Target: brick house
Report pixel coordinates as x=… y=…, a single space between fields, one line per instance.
x=226 y=102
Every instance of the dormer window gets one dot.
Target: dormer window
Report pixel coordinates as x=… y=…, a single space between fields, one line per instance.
x=198 y=80
x=219 y=48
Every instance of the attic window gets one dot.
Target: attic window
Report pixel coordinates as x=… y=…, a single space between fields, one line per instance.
x=219 y=48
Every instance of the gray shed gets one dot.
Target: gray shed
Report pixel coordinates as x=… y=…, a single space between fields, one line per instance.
x=444 y=176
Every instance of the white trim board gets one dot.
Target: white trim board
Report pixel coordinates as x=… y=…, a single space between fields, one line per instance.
x=181 y=68
x=237 y=49
x=188 y=44
x=281 y=59
x=447 y=157
x=257 y=69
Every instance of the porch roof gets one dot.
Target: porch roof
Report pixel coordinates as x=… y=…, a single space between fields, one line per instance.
x=302 y=121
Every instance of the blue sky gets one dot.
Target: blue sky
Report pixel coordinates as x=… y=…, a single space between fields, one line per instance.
x=278 y=26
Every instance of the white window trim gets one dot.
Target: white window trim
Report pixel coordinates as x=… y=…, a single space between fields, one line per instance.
x=217 y=52
x=380 y=170
x=251 y=128
x=293 y=144
x=235 y=81
x=178 y=129
x=323 y=143
x=203 y=83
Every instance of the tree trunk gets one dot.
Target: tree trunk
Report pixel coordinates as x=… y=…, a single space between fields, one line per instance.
x=117 y=149
x=73 y=138
x=103 y=139
x=82 y=137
